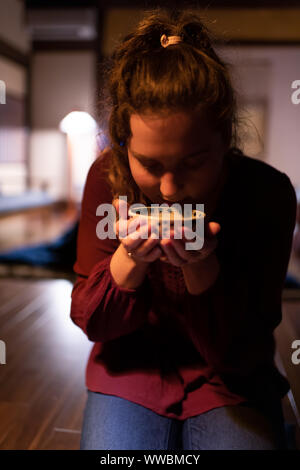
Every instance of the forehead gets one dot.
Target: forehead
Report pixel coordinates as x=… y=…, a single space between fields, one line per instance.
x=174 y=131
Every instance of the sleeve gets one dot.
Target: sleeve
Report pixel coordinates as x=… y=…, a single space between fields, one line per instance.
x=232 y=323
x=101 y=308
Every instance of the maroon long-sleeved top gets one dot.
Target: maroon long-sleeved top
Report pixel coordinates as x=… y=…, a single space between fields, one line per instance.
x=176 y=353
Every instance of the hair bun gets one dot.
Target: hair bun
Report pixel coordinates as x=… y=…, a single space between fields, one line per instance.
x=193 y=31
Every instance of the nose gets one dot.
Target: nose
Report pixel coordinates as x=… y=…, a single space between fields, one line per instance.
x=170 y=186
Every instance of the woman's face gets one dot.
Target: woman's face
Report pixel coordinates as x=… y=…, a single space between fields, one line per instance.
x=178 y=158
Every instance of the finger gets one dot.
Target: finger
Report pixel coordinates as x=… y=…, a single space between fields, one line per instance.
x=192 y=255
x=121 y=207
x=183 y=233
x=124 y=227
x=187 y=236
x=180 y=250
x=165 y=256
x=154 y=254
x=171 y=253
x=115 y=203
x=149 y=251
x=146 y=248
x=212 y=228
x=208 y=247
x=135 y=224
x=135 y=239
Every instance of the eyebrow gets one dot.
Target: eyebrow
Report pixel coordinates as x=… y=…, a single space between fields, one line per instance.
x=151 y=159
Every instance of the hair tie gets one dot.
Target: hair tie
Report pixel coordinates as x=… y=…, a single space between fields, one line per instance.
x=167 y=40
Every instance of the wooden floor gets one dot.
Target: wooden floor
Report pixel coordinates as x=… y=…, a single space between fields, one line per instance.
x=42 y=389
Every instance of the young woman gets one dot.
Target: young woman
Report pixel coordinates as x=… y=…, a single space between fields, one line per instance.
x=184 y=349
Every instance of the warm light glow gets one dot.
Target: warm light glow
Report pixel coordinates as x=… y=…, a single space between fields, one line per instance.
x=81 y=130
x=78 y=122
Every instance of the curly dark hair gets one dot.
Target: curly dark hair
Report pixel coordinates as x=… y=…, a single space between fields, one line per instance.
x=142 y=77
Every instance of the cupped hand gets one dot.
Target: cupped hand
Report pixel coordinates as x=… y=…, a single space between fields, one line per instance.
x=178 y=255
x=145 y=249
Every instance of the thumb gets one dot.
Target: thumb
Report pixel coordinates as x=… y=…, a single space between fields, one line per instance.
x=121 y=207
x=213 y=228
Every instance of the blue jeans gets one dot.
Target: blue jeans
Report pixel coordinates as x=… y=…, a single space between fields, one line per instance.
x=113 y=423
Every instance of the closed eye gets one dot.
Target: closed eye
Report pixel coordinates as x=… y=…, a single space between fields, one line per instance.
x=152 y=168
x=195 y=163
x=191 y=164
